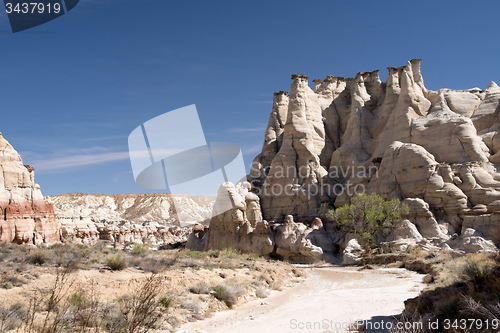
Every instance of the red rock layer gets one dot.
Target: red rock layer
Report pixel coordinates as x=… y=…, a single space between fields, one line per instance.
x=25 y=217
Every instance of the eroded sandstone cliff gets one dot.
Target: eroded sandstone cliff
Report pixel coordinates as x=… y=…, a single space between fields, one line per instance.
x=396 y=138
x=438 y=150
x=24 y=214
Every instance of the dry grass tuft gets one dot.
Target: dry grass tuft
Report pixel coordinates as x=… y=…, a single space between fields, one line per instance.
x=38 y=256
x=262 y=292
x=228 y=294
x=200 y=288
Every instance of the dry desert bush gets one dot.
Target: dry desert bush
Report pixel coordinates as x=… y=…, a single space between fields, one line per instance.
x=229 y=294
x=63 y=306
x=262 y=292
x=468 y=289
x=65 y=287
x=200 y=288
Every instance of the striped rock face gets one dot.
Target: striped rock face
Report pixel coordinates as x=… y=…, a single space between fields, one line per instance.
x=25 y=217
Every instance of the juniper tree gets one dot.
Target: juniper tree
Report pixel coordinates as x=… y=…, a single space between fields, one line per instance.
x=368 y=216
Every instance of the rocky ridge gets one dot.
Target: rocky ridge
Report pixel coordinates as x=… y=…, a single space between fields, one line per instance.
x=437 y=150
x=28 y=217
x=127 y=218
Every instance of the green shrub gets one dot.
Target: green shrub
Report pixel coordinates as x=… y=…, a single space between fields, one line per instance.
x=229 y=294
x=116 y=262
x=253 y=255
x=193 y=254
x=219 y=291
x=367 y=217
x=166 y=301
x=214 y=254
x=138 y=250
x=77 y=299
x=7 y=285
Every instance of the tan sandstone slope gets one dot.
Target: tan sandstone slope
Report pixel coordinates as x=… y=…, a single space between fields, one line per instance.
x=437 y=150
x=25 y=216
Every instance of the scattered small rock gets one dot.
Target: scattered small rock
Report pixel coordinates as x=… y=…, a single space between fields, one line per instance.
x=397 y=264
x=222 y=275
x=430 y=255
x=365 y=267
x=457 y=253
x=428 y=279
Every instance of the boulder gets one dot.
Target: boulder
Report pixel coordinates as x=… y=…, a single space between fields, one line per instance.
x=292 y=243
x=478 y=244
x=196 y=239
x=286 y=239
x=424 y=219
x=352 y=253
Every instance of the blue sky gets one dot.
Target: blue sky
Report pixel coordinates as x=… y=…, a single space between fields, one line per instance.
x=73 y=89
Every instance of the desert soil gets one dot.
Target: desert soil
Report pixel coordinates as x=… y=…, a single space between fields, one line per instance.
x=329 y=297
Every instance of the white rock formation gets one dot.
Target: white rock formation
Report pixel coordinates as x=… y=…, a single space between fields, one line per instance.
x=424 y=220
x=352 y=252
x=438 y=150
x=235 y=230
x=137 y=218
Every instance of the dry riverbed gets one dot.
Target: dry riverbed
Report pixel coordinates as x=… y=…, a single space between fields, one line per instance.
x=217 y=291
x=329 y=297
